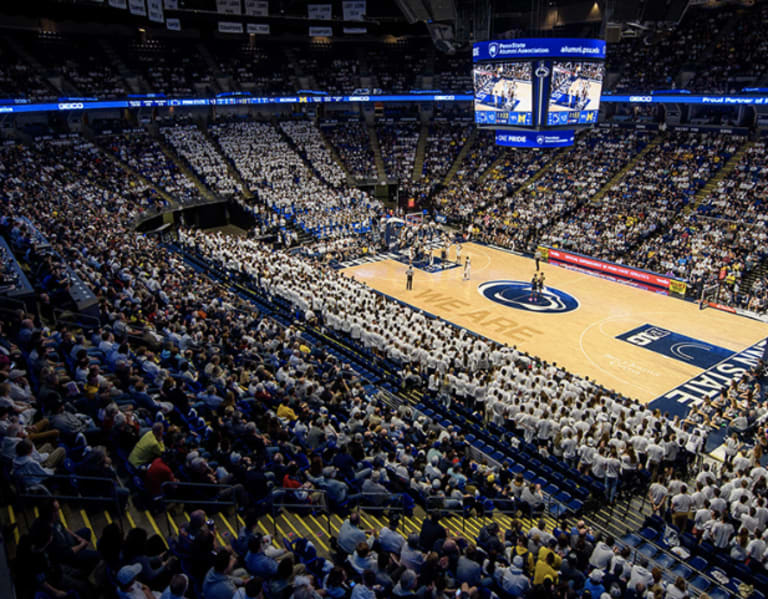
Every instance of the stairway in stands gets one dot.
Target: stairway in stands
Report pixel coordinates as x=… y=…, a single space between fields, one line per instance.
x=317 y=525
x=711 y=185
x=758 y=272
x=185 y=168
x=374 y=139
x=231 y=169
x=335 y=155
x=630 y=165
x=542 y=171
x=418 y=159
x=460 y=158
x=173 y=201
x=131 y=79
x=301 y=154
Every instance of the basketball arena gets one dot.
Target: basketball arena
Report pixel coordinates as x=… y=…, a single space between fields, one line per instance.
x=409 y=298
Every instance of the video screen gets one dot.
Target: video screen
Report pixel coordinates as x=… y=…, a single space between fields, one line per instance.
x=503 y=94
x=575 y=90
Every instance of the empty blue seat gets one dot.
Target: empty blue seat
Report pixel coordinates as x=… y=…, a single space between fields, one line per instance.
x=760 y=580
x=733 y=585
x=741 y=571
x=688 y=541
x=665 y=560
x=698 y=563
x=516 y=468
x=718 y=593
x=681 y=569
x=700 y=583
x=631 y=539
x=647 y=550
x=563 y=497
x=649 y=533
x=551 y=490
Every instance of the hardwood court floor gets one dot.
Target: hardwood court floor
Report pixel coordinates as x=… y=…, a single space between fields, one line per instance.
x=583 y=340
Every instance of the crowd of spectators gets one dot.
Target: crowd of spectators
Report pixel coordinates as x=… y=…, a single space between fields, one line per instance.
x=647 y=198
x=20 y=80
x=176 y=69
x=398 y=148
x=733 y=62
x=79 y=158
x=722 y=239
x=352 y=142
x=139 y=150
x=306 y=136
x=515 y=217
x=171 y=341
x=714 y=49
x=331 y=68
x=80 y=62
x=397 y=69
x=191 y=144
x=654 y=60
x=444 y=142
x=277 y=173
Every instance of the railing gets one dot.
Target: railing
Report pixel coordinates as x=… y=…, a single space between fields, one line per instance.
x=41 y=492
x=177 y=495
x=76 y=319
x=173 y=492
x=652 y=561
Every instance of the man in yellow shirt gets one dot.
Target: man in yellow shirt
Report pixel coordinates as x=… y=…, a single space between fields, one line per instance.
x=149 y=447
x=546 y=550
x=286 y=411
x=545 y=569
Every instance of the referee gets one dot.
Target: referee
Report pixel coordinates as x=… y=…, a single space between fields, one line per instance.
x=409 y=278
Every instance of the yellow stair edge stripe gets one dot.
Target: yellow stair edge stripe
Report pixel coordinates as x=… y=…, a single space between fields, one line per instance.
x=156 y=528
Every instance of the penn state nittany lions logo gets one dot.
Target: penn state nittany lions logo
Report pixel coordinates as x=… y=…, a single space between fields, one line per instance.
x=540 y=139
x=541 y=71
x=493 y=50
x=519 y=295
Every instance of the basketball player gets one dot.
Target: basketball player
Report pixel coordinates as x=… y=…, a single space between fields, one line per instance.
x=409 y=278
x=443 y=255
x=541 y=282
x=431 y=258
x=534 y=286
x=467 y=268
x=458 y=253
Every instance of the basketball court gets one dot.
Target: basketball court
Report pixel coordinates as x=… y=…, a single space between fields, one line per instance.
x=654 y=348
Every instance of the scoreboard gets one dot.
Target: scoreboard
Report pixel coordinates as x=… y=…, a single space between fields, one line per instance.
x=538 y=85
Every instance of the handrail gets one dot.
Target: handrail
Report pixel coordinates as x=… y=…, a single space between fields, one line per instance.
x=80 y=318
x=24 y=491
x=398 y=503
x=666 y=551
x=281 y=492
x=187 y=485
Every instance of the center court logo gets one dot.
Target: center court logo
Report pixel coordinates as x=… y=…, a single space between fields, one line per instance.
x=518 y=295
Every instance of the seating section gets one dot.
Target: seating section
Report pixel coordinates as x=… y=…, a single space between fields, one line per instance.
x=190 y=143
x=234 y=407
x=352 y=143
x=398 y=148
x=139 y=150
